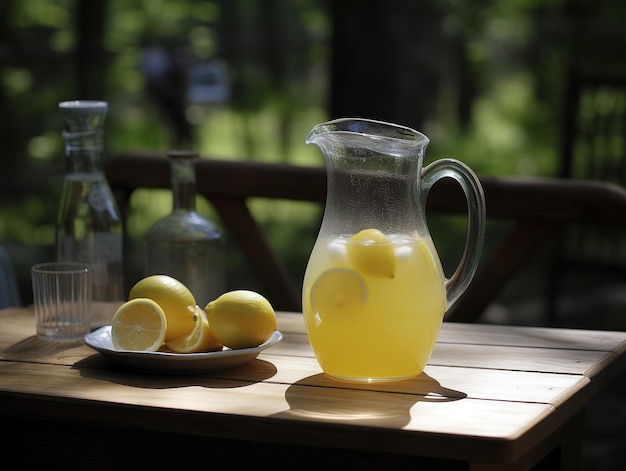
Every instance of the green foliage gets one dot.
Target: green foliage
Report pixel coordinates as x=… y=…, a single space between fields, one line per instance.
x=508 y=135
x=279 y=66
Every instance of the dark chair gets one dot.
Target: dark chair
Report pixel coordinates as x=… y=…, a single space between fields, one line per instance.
x=593 y=149
x=537 y=208
x=9 y=291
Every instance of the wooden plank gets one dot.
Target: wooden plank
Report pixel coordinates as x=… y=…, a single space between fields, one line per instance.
x=515 y=358
x=503 y=335
x=541 y=337
x=538 y=198
x=17 y=324
x=458 y=345
x=469 y=356
x=221 y=178
x=506 y=197
x=438 y=382
x=383 y=417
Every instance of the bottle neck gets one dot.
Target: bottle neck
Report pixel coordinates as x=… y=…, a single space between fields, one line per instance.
x=83 y=150
x=183 y=182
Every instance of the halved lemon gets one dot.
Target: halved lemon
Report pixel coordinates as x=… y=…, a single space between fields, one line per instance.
x=177 y=302
x=139 y=325
x=372 y=253
x=200 y=339
x=338 y=291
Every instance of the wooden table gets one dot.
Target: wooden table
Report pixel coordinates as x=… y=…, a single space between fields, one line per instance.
x=491 y=398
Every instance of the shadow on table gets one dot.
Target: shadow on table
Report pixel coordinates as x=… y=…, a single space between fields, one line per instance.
x=35 y=348
x=96 y=367
x=312 y=398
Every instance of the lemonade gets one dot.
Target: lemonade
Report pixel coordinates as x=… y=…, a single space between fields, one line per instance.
x=366 y=320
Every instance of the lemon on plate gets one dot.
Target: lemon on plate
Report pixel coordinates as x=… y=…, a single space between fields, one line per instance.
x=241 y=319
x=139 y=325
x=338 y=291
x=371 y=253
x=200 y=339
x=177 y=302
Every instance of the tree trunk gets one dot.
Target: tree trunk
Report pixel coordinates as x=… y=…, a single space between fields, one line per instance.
x=90 y=57
x=385 y=61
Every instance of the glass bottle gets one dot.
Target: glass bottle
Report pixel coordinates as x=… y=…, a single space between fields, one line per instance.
x=89 y=225
x=184 y=244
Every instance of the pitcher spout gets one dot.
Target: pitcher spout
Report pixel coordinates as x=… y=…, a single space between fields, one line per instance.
x=372 y=134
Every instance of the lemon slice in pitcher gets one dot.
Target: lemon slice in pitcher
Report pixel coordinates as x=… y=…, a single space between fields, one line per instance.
x=338 y=291
x=372 y=253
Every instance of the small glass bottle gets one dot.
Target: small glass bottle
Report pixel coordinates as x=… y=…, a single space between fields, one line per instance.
x=184 y=244
x=89 y=225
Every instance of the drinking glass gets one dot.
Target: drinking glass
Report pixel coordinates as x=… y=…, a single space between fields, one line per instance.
x=62 y=294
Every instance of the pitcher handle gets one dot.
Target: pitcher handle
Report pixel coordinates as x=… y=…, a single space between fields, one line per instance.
x=469 y=182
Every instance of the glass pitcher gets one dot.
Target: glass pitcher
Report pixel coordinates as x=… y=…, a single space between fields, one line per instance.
x=375 y=293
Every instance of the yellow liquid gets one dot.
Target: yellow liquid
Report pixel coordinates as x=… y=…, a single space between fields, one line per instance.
x=379 y=328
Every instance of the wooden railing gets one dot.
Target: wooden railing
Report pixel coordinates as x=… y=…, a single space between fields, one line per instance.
x=539 y=208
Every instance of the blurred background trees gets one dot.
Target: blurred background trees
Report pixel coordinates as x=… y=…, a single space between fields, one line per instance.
x=244 y=79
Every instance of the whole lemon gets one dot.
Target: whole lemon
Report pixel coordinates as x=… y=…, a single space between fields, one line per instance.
x=177 y=302
x=241 y=319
